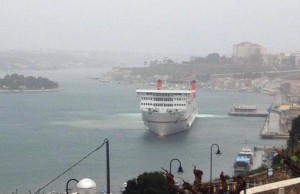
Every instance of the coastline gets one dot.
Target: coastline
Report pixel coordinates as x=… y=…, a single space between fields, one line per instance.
x=27 y=91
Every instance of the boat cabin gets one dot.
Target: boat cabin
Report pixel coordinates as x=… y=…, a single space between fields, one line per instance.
x=245 y=108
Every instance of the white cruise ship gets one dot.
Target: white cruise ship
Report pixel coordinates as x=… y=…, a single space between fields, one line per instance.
x=166 y=111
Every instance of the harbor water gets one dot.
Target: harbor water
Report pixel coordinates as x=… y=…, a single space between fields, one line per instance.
x=45 y=133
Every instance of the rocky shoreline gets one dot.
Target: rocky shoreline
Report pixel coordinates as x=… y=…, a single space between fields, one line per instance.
x=29 y=91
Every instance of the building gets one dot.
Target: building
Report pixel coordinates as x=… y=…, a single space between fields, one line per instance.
x=248 y=53
x=291 y=88
x=296 y=58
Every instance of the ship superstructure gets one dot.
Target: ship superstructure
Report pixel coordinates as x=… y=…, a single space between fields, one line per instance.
x=168 y=111
x=243 y=161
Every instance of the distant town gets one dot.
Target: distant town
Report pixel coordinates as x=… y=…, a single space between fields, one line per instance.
x=249 y=68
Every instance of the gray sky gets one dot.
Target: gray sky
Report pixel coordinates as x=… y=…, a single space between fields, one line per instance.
x=193 y=27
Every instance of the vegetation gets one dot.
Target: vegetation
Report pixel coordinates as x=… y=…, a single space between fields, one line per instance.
x=147 y=183
x=199 y=68
x=295 y=132
x=290 y=156
x=20 y=82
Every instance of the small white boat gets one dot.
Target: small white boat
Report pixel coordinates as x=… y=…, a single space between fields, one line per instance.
x=244 y=160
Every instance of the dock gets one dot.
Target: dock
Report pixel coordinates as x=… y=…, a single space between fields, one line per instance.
x=272 y=128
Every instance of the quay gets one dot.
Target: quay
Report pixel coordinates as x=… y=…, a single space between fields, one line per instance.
x=273 y=127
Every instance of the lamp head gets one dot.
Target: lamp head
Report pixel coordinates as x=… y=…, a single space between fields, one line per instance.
x=180 y=170
x=218 y=152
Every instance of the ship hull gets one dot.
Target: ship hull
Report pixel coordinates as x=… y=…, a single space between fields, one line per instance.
x=248 y=114
x=169 y=123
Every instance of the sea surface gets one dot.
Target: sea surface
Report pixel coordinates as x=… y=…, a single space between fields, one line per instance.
x=45 y=133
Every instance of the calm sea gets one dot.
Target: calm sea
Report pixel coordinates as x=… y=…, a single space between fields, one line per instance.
x=43 y=134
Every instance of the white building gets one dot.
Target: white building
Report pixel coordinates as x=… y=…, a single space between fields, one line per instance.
x=247 y=50
x=296 y=56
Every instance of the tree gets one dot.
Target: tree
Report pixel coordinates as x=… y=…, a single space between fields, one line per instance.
x=295 y=132
x=213 y=58
x=296 y=124
x=147 y=183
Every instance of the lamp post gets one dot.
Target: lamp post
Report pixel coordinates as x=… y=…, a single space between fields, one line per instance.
x=292 y=135
x=67 y=185
x=218 y=152
x=180 y=170
x=107 y=167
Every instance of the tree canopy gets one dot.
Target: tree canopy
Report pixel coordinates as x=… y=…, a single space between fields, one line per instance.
x=147 y=183
x=20 y=82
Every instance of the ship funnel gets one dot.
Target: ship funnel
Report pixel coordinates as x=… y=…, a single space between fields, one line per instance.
x=193 y=86
x=158 y=84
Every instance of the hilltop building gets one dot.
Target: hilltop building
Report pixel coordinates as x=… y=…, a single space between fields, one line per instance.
x=281 y=59
x=248 y=53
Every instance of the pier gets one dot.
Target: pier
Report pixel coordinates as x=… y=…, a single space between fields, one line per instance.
x=272 y=128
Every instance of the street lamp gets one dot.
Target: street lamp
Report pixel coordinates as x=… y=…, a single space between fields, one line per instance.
x=292 y=136
x=180 y=170
x=107 y=167
x=67 y=185
x=218 y=153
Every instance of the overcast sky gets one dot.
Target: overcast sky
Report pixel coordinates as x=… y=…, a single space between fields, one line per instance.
x=192 y=27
